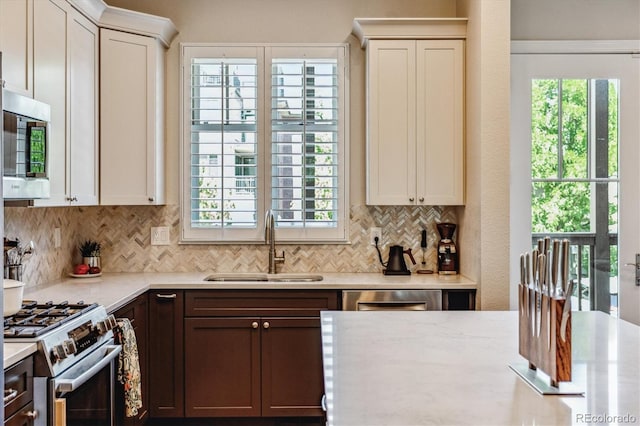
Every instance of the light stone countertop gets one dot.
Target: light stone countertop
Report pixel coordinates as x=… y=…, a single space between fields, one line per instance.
x=114 y=290
x=452 y=368
x=16 y=352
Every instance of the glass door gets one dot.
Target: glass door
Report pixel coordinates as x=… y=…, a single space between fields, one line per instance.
x=575 y=126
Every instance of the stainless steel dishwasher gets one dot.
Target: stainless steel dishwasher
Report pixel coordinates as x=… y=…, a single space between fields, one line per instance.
x=392 y=300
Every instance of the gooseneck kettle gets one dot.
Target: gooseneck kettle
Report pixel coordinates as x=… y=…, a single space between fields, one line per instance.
x=396 y=265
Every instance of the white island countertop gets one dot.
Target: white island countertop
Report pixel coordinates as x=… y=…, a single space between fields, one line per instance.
x=452 y=368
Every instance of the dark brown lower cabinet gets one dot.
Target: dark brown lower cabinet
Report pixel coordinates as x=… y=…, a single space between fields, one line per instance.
x=166 y=353
x=245 y=367
x=18 y=394
x=137 y=311
x=292 y=379
x=255 y=353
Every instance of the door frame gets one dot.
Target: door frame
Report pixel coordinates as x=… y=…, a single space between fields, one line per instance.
x=527 y=60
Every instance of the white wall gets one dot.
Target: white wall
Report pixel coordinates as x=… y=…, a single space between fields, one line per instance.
x=575 y=20
x=484 y=235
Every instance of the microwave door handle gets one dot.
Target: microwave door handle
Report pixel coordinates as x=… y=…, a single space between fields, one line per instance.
x=69 y=385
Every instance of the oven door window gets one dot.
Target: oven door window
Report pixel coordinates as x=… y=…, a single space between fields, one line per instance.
x=91 y=402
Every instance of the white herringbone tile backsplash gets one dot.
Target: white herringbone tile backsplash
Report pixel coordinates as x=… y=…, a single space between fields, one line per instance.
x=124 y=233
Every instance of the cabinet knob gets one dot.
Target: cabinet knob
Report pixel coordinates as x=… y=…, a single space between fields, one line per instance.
x=265 y=324
x=254 y=324
x=151 y=199
x=33 y=414
x=421 y=199
x=411 y=199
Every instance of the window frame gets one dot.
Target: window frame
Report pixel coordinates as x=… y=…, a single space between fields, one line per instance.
x=264 y=53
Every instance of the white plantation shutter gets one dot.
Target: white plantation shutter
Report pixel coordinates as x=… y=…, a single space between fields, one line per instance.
x=233 y=169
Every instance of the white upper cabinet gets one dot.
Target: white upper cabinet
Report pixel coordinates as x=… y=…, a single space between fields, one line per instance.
x=16 y=45
x=415 y=110
x=132 y=119
x=66 y=77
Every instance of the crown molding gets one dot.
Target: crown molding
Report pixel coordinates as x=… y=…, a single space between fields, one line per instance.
x=116 y=18
x=366 y=29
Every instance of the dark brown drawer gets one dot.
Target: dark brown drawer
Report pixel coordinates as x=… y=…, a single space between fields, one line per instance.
x=18 y=381
x=216 y=303
x=24 y=417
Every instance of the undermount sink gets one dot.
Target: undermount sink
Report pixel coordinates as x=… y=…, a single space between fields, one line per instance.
x=293 y=277
x=249 y=277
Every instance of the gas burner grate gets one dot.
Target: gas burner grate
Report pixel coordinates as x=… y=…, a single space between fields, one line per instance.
x=35 y=319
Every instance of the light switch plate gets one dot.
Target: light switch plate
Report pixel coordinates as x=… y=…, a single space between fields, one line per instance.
x=160 y=236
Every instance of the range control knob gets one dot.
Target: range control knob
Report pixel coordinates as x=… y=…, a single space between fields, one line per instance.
x=112 y=322
x=70 y=347
x=107 y=324
x=58 y=353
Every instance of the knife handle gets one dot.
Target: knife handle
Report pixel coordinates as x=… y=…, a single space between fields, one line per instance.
x=564 y=275
x=522 y=269
x=527 y=269
x=542 y=270
x=554 y=265
x=534 y=267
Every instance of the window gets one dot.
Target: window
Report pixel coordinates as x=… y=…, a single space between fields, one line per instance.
x=264 y=128
x=574 y=164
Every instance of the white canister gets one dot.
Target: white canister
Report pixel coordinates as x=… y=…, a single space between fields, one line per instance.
x=13 y=291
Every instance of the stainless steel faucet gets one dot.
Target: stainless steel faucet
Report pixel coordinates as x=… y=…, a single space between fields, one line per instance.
x=270 y=238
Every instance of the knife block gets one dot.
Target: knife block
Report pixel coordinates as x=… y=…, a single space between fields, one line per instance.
x=545 y=350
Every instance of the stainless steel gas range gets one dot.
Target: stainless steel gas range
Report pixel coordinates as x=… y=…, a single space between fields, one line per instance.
x=74 y=363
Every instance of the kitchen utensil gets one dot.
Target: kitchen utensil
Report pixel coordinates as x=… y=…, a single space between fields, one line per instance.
x=423 y=246
x=564 y=274
x=13 y=291
x=395 y=264
x=566 y=311
x=522 y=285
x=542 y=268
x=554 y=267
x=447 y=250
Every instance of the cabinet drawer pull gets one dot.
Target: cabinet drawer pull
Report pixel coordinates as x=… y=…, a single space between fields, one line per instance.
x=166 y=296
x=10 y=395
x=151 y=199
x=265 y=324
x=421 y=199
x=411 y=199
x=254 y=324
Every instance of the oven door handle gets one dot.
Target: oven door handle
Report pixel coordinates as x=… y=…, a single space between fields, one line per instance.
x=69 y=385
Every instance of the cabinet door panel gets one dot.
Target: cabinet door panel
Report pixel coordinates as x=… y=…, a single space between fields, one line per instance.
x=131 y=132
x=83 y=110
x=50 y=86
x=292 y=380
x=440 y=123
x=391 y=163
x=166 y=354
x=16 y=45
x=223 y=367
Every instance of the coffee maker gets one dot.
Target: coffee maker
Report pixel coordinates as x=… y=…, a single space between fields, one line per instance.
x=447 y=251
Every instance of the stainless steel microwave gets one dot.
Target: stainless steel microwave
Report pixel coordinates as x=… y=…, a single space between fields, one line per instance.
x=25 y=143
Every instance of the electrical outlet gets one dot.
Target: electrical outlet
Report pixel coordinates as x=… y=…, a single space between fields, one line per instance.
x=57 y=240
x=376 y=232
x=160 y=236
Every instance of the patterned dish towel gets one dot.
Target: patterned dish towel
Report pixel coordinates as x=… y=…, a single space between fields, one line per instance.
x=129 y=366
